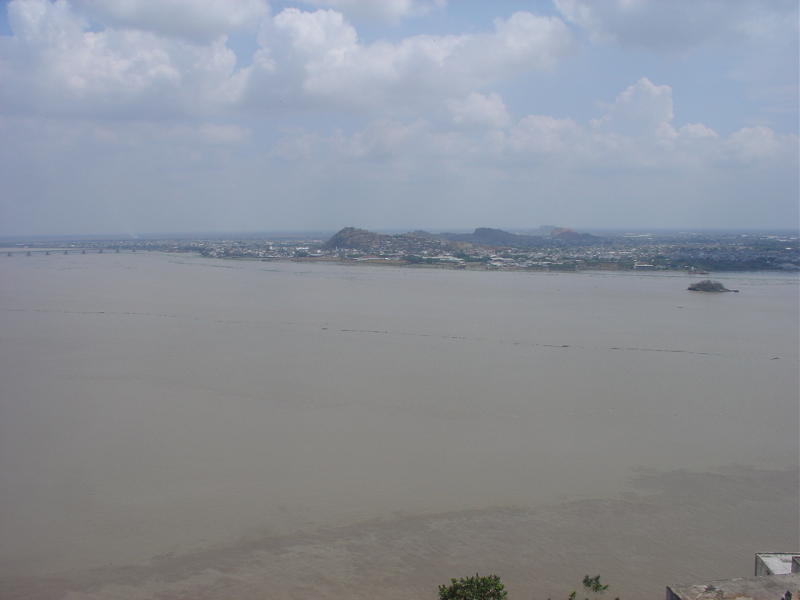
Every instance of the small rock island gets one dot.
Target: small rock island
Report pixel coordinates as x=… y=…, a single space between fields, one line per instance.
x=709 y=286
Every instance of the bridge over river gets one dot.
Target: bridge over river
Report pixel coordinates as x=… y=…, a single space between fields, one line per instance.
x=71 y=250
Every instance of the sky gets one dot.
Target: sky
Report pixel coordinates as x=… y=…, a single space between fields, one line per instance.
x=147 y=116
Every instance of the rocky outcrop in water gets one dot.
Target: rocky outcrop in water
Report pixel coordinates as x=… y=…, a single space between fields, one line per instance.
x=709 y=286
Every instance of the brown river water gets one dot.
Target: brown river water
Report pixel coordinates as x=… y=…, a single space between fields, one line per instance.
x=180 y=427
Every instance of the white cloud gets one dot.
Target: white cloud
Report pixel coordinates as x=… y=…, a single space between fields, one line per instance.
x=541 y=165
x=480 y=109
x=750 y=43
x=382 y=10
x=317 y=33
x=543 y=135
x=643 y=108
x=753 y=144
x=697 y=131
x=536 y=169
x=637 y=132
x=317 y=57
x=195 y=20
x=678 y=24
x=54 y=65
x=222 y=134
x=143 y=65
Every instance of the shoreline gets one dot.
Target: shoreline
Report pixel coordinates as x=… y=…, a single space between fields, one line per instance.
x=480 y=267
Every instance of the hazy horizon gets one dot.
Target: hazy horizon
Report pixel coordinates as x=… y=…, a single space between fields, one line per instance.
x=328 y=232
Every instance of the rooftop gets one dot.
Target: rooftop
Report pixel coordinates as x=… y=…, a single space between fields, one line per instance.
x=772 y=587
x=777 y=563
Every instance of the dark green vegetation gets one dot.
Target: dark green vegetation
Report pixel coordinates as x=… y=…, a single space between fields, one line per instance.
x=489 y=587
x=592 y=585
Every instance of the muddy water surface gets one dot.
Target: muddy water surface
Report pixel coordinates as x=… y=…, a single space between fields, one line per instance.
x=172 y=425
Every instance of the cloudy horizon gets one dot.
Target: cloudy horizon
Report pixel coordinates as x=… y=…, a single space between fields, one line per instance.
x=152 y=116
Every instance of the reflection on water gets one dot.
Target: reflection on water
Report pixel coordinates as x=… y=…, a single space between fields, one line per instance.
x=155 y=405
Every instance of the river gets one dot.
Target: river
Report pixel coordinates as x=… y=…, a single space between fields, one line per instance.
x=171 y=424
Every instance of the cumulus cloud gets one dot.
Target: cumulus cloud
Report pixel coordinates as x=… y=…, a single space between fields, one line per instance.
x=541 y=135
x=196 y=20
x=149 y=62
x=753 y=144
x=643 y=108
x=636 y=131
x=54 y=64
x=318 y=57
x=383 y=141
x=751 y=42
x=679 y=25
x=480 y=109
x=384 y=10
x=541 y=168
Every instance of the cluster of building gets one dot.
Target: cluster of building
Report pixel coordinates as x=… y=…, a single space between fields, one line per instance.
x=692 y=252
x=688 y=251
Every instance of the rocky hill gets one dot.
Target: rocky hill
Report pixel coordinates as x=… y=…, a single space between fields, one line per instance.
x=487 y=236
x=356 y=239
x=497 y=238
x=352 y=238
x=568 y=235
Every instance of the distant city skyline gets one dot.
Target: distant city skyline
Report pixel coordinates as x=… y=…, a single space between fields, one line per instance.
x=148 y=117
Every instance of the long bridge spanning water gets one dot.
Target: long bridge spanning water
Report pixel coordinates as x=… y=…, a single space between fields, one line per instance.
x=62 y=251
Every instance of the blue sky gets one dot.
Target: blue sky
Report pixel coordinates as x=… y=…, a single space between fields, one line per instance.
x=215 y=115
